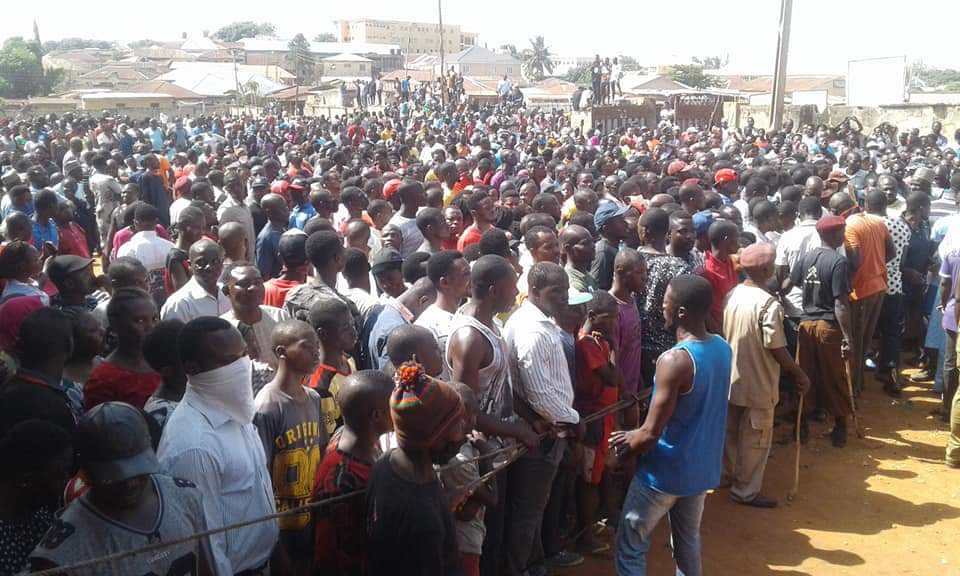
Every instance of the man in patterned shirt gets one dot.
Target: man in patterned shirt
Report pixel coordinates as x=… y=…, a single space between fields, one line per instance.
x=890 y=324
x=655 y=225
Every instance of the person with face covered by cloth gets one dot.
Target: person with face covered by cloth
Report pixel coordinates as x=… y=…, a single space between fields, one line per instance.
x=210 y=440
x=410 y=527
x=130 y=504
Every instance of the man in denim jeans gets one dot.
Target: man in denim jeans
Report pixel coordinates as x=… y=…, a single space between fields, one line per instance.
x=682 y=437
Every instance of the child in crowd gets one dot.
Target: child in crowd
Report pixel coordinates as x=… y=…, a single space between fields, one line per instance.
x=462 y=470
x=288 y=421
x=409 y=525
x=340 y=538
x=597 y=386
x=161 y=353
x=334 y=324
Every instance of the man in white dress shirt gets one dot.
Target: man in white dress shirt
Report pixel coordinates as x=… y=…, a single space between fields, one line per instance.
x=211 y=441
x=150 y=249
x=542 y=386
x=200 y=296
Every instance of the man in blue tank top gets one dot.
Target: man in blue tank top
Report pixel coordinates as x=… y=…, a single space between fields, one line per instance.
x=681 y=439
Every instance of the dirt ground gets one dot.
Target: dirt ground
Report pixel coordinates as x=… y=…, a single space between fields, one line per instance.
x=885 y=504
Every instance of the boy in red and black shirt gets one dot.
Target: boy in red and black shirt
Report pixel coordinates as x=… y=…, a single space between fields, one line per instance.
x=597 y=386
x=340 y=536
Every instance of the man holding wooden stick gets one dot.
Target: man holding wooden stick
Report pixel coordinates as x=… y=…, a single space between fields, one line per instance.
x=822 y=342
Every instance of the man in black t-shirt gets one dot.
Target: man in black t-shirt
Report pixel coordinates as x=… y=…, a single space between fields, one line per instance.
x=824 y=333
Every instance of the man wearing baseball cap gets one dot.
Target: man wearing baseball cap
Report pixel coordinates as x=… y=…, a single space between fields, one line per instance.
x=130 y=504
x=73 y=277
x=823 y=276
x=612 y=227
x=726 y=184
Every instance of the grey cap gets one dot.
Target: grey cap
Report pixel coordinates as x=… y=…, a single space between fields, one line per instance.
x=113 y=442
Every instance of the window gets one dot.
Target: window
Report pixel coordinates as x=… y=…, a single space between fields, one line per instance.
x=839 y=83
x=155 y=105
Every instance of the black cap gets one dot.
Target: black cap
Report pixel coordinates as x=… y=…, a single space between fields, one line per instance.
x=385 y=260
x=62 y=266
x=293 y=248
x=113 y=442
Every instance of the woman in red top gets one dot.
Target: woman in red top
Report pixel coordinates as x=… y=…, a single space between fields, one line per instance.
x=125 y=376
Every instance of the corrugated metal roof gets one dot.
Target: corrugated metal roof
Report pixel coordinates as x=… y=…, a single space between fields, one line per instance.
x=278 y=45
x=344 y=57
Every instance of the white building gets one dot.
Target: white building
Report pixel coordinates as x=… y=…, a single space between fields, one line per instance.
x=347 y=67
x=413 y=37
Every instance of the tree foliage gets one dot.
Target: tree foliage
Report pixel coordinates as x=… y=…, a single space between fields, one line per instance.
x=75 y=44
x=509 y=49
x=536 y=59
x=692 y=75
x=325 y=37
x=579 y=75
x=629 y=64
x=712 y=62
x=300 y=60
x=145 y=43
x=943 y=78
x=21 y=70
x=238 y=30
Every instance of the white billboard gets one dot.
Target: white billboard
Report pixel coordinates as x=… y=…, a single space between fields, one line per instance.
x=817 y=98
x=876 y=81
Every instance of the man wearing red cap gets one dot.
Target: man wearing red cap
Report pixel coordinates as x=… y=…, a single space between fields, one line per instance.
x=753 y=325
x=726 y=184
x=824 y=278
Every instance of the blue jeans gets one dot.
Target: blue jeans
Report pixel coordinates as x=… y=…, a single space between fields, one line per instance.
x=642 y=510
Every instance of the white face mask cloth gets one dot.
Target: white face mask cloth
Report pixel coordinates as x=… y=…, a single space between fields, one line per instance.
x=228 y=388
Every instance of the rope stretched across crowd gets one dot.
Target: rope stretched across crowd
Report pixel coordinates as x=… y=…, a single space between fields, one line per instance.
x=516 y=451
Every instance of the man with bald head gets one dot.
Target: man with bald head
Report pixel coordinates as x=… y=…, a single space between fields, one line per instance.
x=268 y=240
x=200 y=296
x=577 y=244
x=233 y=239
x=813 y=187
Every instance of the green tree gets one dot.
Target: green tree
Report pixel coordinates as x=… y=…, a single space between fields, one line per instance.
x=251 y=93
x=21 y=69
x=536 y=59
x=145 y=43
x=579 y=75
x=712 y=62
x=325 y=37
x=75 y=44
x=238 y=30
x=629 y=64
x=509 y=49
x=300 y=60
x=692 y=75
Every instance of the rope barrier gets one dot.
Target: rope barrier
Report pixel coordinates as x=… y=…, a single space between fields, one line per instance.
x=518 y=451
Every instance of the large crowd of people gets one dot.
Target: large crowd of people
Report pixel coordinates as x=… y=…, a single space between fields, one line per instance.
x=496 y=342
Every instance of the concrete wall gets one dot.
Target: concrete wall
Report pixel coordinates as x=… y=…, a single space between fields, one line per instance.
x=903 y=116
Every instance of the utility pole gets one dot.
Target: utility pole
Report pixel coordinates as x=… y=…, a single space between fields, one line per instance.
x=780 y=74
x=443 y=68
x=236 y=76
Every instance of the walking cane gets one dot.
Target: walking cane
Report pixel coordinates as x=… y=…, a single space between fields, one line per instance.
x=848 y=365
x=796 y=464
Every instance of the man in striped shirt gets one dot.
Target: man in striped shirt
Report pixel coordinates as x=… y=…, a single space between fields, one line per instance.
x=541 y=381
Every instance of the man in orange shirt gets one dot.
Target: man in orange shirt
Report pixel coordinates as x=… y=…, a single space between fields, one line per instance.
x=868 y=249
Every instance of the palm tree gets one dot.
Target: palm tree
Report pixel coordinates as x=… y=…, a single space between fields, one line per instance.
x=536 y=59
x=252 y=92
